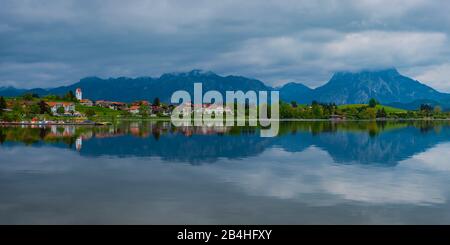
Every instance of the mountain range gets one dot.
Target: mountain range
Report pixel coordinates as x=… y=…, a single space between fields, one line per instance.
x=387 y=86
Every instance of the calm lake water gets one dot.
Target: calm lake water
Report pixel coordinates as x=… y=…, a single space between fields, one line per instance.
x=154 y=173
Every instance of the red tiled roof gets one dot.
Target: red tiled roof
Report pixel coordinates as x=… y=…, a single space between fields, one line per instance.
x=52 y=103
x=117 y=103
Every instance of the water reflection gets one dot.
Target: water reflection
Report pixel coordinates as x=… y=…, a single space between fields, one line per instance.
x=384 y=143
x=153 y=173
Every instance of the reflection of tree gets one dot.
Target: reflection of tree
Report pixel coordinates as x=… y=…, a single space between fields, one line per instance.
x=425 y=126
x=373 y=133
x=2 y=136
x=43 y=132
x=156 y=134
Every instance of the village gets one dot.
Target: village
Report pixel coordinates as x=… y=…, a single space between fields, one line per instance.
x=74 y=109
x=142 y=107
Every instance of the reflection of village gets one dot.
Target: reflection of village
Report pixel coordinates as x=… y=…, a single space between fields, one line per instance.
x=141 y=129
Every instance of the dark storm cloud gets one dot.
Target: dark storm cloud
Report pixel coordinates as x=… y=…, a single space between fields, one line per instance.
x=50 y=43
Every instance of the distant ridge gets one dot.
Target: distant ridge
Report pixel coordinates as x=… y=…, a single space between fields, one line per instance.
x=387 y=86
x=296 y=92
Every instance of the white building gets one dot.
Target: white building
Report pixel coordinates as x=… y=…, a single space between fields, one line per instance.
x=78 y=94
x=217 y=109
x=68 y=106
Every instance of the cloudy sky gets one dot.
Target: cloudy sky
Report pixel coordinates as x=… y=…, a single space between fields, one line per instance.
x=50 y=43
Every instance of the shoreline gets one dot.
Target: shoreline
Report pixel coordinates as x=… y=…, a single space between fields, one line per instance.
x=50 y=124
x=103 y=123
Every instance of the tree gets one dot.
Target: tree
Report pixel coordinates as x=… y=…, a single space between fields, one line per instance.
x=367 y=113
x=437 y=109
x=286 y=111
x=373 y=103
x=328 y=108
x=60 y=110
x=52 y=97
x=381 y=113
x=156 y=101
x=70 y=96
x=2 y=103
x=294 y=104
x=90 y=112
x=43 y=107
x=18 y=107
x=11 y=117
x=426 y=109
x=27 y=97
x=34 y=109
x=143 y=110
x=317 y=111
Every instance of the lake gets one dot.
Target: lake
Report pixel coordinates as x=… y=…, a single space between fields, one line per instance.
x=155 y=173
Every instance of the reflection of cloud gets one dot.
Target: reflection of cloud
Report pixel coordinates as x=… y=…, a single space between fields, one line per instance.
x=53 y=185
x=285 y=175
x=435 y=159
x=44 y=160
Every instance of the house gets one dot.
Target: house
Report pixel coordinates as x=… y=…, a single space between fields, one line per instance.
x=103 y=103
x=68 y=106
x=76 y=114
x=186 y=109
x=86 y=102
x=189 y=108
x=168 y=110
x=217 y=109
x=134 y=109
x=156 y=109
x=118 y=106
x=141 y=102
x=111 y=104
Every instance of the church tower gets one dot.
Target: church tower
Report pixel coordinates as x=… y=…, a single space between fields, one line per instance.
x=78 y=94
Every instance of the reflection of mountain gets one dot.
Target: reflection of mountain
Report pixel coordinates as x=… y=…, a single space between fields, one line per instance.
x=388 y=147
x=194 y=149
x=365 y=143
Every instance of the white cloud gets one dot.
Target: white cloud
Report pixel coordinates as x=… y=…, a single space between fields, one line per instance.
x=386 y=49
x=275 y=41
x=307 y=54
x=35 y=73
x=437 y=77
